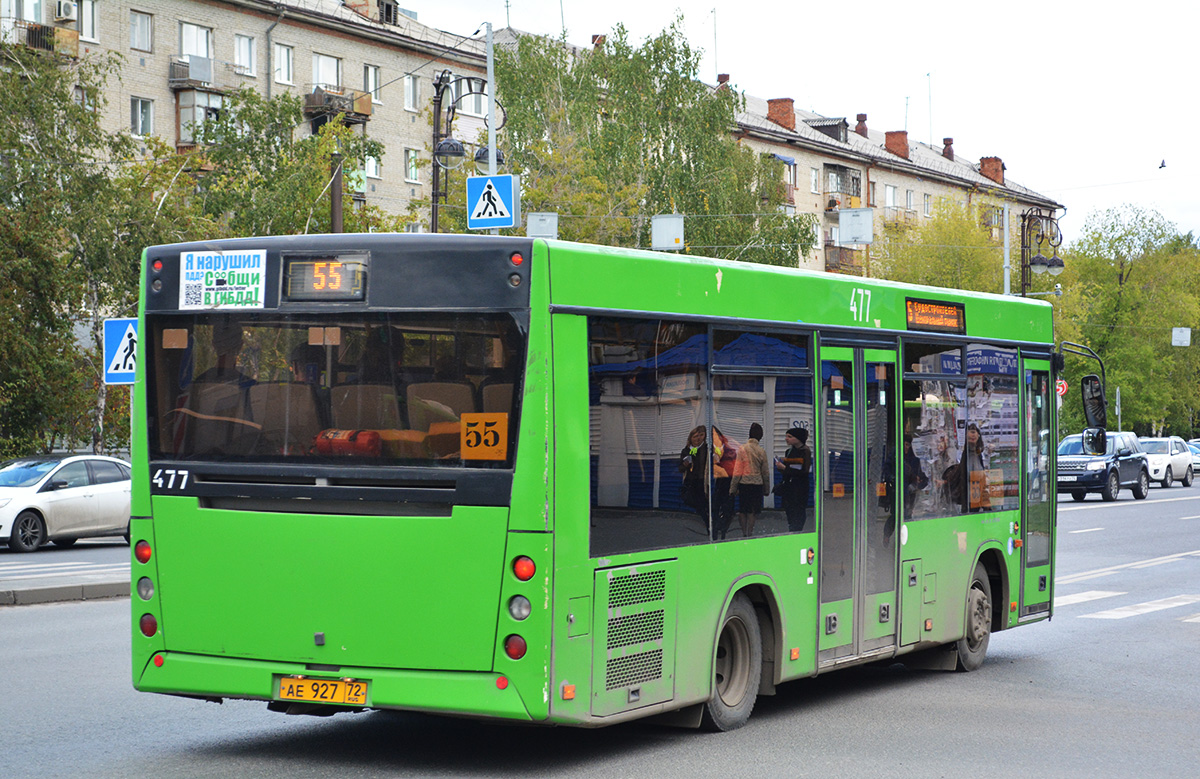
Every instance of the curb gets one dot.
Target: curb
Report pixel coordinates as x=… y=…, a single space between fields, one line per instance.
x=68 y=592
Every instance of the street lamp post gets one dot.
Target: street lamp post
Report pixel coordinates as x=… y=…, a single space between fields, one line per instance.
x=448 y=151
x=1039 y=227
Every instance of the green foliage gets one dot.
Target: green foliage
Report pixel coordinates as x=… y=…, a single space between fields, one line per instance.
x=256 y=178
x=55 y=227
x=952 y=249
x=610 y=138
x=1129 y=279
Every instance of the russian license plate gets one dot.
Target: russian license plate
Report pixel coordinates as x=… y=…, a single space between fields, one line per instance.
x=302 y=688
x=1067 y=478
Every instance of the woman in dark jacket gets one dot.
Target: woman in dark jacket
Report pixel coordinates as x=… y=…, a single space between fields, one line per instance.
x=693 y=462
x=795 y=466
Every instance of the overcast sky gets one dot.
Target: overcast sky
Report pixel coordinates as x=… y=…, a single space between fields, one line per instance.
x=1082 y=100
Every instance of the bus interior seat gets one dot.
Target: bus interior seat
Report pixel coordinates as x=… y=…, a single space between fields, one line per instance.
x=217 y=419
x=497 y=397
x=365 y=407
x=439 y=401
x=289 y=414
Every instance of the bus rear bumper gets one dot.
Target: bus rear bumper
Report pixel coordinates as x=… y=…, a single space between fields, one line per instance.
x=480 y=694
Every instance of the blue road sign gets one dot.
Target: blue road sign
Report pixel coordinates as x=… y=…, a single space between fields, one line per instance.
x=120 y=350
x=493 y=201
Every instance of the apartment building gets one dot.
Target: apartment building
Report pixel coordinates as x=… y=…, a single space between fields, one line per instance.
x=370 y=59
x=831 y=166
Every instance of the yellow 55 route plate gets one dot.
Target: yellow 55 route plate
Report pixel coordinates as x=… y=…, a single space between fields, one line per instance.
x=303 y=688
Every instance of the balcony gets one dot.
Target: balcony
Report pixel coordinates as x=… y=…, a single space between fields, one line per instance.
x=836 y=201
x=40 y=36
x=330 y=100
x=843 y=259
x=894 y=215
x=193 y=72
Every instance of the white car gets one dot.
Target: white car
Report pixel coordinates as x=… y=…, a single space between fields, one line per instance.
x=62 y=499
x=1169 y=459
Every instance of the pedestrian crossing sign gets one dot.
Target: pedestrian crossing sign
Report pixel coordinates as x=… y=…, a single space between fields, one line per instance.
x=120 y=350
x=493 y=201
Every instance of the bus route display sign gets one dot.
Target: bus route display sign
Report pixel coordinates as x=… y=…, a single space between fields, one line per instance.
x=935 y=316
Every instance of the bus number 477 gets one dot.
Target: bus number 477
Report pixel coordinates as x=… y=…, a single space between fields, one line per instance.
x=860 y=304
x=165 y=478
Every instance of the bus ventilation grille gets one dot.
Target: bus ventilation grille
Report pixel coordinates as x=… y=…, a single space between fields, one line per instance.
x=635 y=637
x=637 y=588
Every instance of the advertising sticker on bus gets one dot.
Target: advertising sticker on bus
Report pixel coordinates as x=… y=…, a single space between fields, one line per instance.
x=222 y=280
x=485 y=436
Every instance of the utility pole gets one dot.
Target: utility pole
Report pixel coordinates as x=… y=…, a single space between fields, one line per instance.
x=335 y=199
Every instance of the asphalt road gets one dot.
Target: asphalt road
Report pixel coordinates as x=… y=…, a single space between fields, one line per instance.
x=1107 y=688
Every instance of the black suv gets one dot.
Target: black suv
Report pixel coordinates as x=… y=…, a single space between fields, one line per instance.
x=1123 y=464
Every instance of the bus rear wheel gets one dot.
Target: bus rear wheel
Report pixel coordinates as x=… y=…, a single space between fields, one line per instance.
x=737 y=668
x=972 y=648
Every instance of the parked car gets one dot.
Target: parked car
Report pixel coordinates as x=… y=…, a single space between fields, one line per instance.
x=62 y=499
x=1170 y=459
x=1195 y=450
x=1123 y=464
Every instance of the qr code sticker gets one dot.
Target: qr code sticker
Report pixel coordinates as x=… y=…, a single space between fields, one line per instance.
x=193 y=294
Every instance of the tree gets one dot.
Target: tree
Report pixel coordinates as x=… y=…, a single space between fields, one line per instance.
x=1130 y=279
x=54 y=187
x=953 y=249
x=609 y=138
x=257 y=178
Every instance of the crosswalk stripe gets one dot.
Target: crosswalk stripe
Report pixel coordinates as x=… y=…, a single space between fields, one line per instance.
x=1193 y=618
x=1143 y=608
x=1083 y=597
x=1078 y=577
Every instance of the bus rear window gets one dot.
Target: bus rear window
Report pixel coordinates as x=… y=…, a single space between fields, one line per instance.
x=363 y=388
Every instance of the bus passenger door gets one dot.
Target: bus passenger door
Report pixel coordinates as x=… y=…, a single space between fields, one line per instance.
x=1038 y=503
x=859 y=480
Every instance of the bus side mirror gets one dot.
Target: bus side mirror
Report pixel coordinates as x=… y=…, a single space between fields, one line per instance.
x=1094 y=441
x=1095 y=407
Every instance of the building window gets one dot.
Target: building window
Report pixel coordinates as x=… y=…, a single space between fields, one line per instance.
x=815 y=180
x=194 y=40
x=412 y=168
x=372 y=82
x=141 y=116
x=195 y=107
x=908 y=199
x=412 y=92
x=871 y=194
x=244 y=54
x=87 y=24
x=327 y=72
x=889 y=196
x=372 y=168
x=141 y=29
x=928 y=204
x=284 y=64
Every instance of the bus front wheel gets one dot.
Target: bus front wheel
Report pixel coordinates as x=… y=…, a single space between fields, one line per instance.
x=972 y=648
x=737 y=668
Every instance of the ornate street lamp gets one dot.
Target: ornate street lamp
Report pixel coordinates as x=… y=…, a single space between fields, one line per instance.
x=449 y=153
x=1039 y=228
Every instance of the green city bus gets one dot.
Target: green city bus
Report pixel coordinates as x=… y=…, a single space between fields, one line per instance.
x=558 y=483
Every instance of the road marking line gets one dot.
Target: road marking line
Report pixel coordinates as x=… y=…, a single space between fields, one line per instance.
x=1143 y=608
x=1084 y=597
x=1193 y=618
x=1195 y=517
x=1115 y=504
x=96 y=571
x=30 y=566
x=1088 y=530
x=1153 y=563
x=1084 y=575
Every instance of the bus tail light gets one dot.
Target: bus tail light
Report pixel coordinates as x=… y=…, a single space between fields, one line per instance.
x=142 y=552
x=516 y=259
x=148 y=625
x=519 y=607
x=145 y=588
x=524 y=568
x=514 y=646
